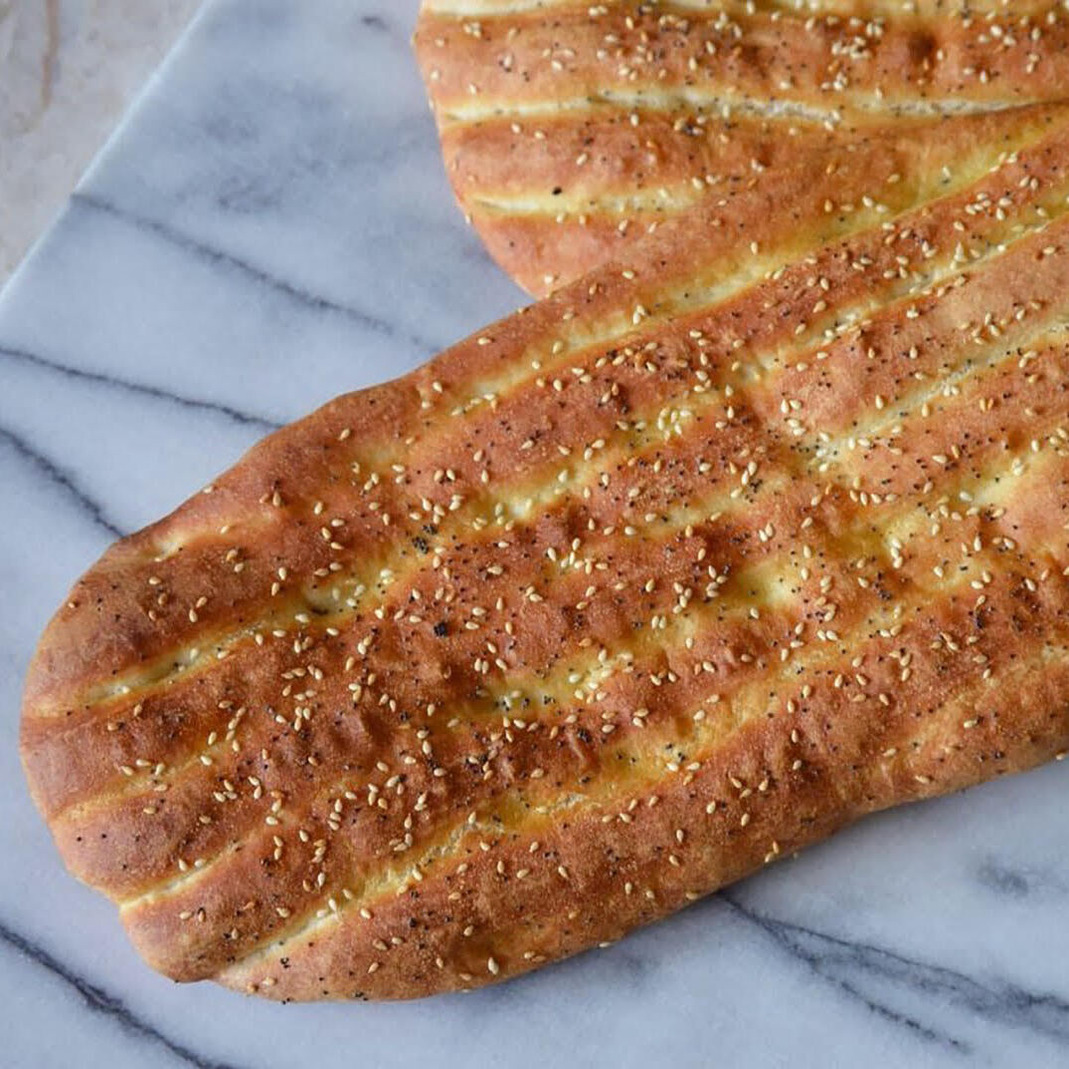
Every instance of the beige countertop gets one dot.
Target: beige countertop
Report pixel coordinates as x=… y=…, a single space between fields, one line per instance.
x=70 y=69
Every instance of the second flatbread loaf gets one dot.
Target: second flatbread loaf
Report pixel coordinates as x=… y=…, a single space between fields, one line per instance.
x=571 y=129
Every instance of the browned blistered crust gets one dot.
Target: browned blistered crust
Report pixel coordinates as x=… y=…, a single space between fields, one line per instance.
x=570 y=129
x=660 y=580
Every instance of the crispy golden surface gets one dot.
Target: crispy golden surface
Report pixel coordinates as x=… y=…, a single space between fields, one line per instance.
x=572 y=129
x=679 y=570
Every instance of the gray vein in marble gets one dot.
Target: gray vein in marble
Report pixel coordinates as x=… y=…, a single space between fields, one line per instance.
x=97 y=1000
x=375 y=22
x=851 y=966
x=1008 y=881
x=251 y=419
x=57 y=476
x=219 y=258
x=399 y=33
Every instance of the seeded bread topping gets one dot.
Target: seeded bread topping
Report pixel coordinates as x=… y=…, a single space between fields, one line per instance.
x=705 y=556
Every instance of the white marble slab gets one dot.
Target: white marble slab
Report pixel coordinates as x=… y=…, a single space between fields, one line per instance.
x=270 y=227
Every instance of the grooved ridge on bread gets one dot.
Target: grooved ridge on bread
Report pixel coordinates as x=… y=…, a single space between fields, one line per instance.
x=673 y=573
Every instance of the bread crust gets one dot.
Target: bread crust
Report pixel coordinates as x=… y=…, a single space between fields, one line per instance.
x=660 y=580
x=569 y=129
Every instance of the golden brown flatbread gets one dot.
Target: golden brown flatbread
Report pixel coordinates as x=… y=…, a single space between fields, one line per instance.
x=707 y=555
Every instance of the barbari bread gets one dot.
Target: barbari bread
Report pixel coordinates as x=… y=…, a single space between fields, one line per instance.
x=689 y=565
x=571 y=128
